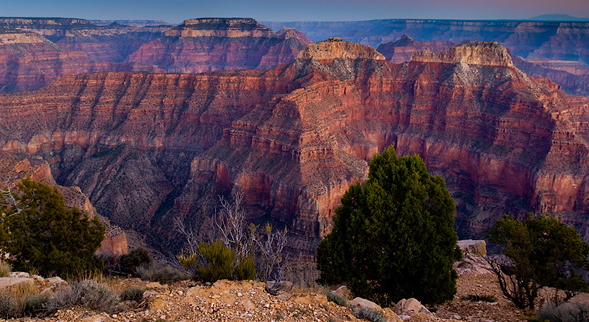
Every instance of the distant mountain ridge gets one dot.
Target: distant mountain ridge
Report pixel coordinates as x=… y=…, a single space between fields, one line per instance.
x=557 y=17
x=528 y=39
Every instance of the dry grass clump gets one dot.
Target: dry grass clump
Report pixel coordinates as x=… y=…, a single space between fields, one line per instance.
x=20 y=300
x=5 y=269
x=163 y=274
x=87 y=293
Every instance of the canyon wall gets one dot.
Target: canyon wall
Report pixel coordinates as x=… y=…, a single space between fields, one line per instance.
x=209 y=44
x=16 y=166
x=572 y=76
x=34 y=51
x=150 y=149
x=528 y=39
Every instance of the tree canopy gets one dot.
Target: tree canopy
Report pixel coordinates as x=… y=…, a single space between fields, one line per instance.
x=41 y=233
x=540 y=251
x=393 y=236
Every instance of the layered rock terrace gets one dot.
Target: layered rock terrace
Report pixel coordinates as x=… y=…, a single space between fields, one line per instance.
x=151 y=148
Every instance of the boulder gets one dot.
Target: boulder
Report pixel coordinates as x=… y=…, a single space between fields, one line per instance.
x=391 y=316
x=411 y=307
x=360 y=302
x=343 y=291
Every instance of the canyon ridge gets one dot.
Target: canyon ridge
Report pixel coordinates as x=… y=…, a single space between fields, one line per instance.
x=148 y=148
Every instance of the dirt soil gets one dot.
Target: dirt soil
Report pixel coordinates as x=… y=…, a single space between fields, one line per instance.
x=248 y=301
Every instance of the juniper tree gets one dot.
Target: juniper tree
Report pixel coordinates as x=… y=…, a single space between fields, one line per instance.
x=41 y=233
x=393 y=236
x=539 y=251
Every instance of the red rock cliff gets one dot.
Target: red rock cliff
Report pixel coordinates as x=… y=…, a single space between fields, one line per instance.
x=148 y=148
x=209 y=44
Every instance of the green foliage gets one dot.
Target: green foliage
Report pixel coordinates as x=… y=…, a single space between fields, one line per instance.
x=339 y=300
x=44 y=235
x=541 y=251
x=245 y=270
x=132 y=294
x=369 y=314
x=393 y=236
x=128 y=263
x=565 y=312
x=216 y=261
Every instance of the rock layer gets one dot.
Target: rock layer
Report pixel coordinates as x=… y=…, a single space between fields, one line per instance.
x=528 y=39
x=16 y=166
x=149 y=149
x=209 y=44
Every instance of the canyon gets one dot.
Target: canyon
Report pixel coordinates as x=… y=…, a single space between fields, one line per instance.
x=149 y=149
x=35 y=51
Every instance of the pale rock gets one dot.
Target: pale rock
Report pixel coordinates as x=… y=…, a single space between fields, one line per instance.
x=391 y=316
x=20 y=274
x=248 y=305
x=6 y=282
x=358 y=301
x=343 y=291
x=412 y=306
x=473 y=247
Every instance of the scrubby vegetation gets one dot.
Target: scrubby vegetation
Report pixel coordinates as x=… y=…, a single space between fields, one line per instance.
x=129 y=263
x=232 y=249
x=539 y=251
x=87 y=293
x=132 y=294
x=42 y=234
x=564 y=312
x=21 y=300
x=5 y=268
x=393 y=236
x=369 y=314
x=162 y=273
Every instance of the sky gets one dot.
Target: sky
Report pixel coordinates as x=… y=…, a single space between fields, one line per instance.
x=175 y=11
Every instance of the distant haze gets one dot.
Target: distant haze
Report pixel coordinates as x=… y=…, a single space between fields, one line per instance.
x=175 y=11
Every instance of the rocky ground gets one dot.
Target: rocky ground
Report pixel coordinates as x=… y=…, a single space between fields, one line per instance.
x=249 y=301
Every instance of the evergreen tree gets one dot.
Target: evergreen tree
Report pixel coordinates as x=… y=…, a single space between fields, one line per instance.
x=393 y=236
x=42 y=234
x=541 y=251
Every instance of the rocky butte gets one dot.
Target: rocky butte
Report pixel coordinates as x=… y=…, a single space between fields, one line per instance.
x=150 y=148
x=209 y=44
x=29 y=61
x=572 y=76
x=104 y=43
x=528 y=39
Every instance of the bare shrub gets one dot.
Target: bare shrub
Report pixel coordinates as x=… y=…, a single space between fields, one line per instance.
x=87 y=293
x=270 y=246
x=160 y=273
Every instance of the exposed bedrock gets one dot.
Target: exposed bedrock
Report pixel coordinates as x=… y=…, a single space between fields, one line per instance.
x=150 y=148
